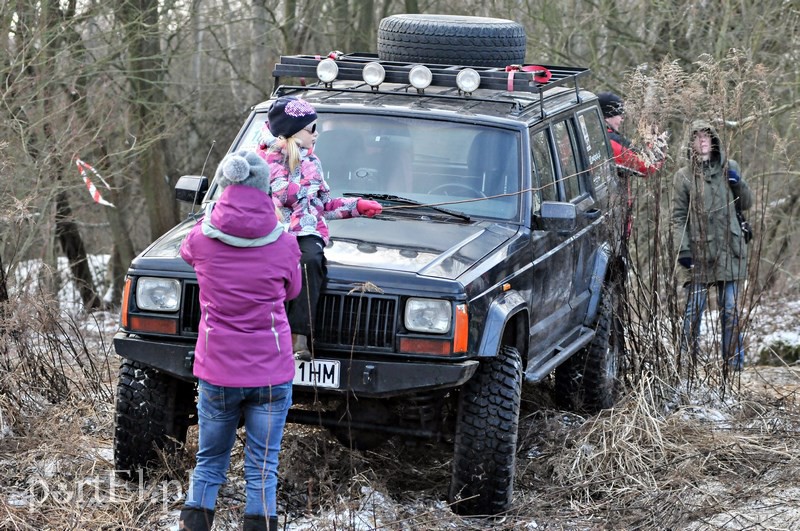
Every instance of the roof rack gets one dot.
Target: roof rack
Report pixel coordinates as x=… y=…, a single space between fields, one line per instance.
x=498 y=78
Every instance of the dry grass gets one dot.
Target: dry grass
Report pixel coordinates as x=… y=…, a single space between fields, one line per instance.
x=705 y=462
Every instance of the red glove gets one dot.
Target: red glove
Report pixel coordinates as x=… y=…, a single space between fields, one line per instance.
x=368 y=208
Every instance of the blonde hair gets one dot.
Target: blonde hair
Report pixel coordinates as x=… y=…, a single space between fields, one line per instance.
x=291 y=149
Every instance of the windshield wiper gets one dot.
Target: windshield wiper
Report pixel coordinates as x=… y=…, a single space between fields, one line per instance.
x=407 y=201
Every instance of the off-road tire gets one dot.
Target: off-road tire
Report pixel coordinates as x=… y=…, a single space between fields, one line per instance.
x=484 y=455
x=153 y=411
x=589 y=381
x=450 y=39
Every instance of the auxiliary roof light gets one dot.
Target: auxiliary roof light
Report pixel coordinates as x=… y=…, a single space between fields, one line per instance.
x=468 y=80
x=327 y=70
x=373 y=74
x=420 y=77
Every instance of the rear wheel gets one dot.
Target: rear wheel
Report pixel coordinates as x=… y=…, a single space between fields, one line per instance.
x=486 y=437
x=450 y=39
x=589 y=380
x=153 y=412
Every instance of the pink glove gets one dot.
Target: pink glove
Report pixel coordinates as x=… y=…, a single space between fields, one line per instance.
x=368 y=208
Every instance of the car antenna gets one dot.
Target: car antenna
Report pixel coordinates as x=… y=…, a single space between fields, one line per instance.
x=202 y=172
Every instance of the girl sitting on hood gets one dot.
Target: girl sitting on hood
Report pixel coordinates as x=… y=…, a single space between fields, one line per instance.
x=303 y=198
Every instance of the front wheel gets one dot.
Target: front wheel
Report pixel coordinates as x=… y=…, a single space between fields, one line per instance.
x=153 y=412
x=486 y=437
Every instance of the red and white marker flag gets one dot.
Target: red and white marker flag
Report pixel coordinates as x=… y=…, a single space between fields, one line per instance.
x=93 y=191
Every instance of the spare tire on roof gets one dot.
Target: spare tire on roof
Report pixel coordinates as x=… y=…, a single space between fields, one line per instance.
x=451 y=39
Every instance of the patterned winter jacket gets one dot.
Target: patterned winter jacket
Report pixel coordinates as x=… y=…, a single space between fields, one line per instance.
x=304 y=196
x=704 y=223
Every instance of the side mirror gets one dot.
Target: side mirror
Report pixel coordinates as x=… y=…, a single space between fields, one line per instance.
x=557 y=216
x=191 y=188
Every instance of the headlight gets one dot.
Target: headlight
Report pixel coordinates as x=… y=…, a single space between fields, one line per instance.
x=468 y=80
x=373 y=74
x=327 y=70
x=420 y=76
x=428 y=315
x=158 y=294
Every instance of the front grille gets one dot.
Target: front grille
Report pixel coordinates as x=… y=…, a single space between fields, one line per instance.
x=360 y=320
x=190 y=319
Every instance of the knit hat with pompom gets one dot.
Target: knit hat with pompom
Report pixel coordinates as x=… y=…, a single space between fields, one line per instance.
x=245 y=168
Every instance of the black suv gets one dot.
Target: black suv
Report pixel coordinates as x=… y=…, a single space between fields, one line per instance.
x=488 y=267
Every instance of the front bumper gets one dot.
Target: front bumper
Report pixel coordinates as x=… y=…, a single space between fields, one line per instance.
x=368 y=378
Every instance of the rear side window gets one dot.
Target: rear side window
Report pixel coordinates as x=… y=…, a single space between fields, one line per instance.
x=568 y=162
x=543 y=160
x=597 y=151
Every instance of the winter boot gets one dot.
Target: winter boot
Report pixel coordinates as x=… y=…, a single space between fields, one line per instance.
x=195 y=519
x=259 y=522
x=300 y=347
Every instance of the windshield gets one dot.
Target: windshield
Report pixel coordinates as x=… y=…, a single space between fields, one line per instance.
x=462 y=167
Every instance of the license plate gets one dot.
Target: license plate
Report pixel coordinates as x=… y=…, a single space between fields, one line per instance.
x=317 y=373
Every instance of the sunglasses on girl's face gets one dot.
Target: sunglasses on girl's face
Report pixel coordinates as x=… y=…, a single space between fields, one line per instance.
x=311 y=128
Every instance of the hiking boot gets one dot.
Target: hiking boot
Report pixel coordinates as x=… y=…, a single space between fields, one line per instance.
x=259 y=522
x=195 y=519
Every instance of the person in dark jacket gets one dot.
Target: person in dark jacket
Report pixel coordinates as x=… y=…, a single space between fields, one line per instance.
x=247 y=267
x=712 y=249
x=630 y=162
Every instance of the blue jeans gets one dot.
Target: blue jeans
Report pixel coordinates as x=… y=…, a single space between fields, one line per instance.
x=219 y=410
x=726 y=300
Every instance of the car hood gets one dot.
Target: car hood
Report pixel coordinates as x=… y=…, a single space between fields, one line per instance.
x=424 y=247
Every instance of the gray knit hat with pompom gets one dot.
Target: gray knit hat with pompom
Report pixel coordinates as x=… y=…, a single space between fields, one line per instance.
x=246 y=168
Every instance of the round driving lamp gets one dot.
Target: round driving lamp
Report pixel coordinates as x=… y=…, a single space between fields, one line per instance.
x=468 y=80
x=420 y=77
x=327 y=70
x=373 y=74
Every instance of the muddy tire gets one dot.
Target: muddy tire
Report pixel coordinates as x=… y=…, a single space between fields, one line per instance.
x=153 y=412
x=589 y=381
x=485 y=447
x=450 y=39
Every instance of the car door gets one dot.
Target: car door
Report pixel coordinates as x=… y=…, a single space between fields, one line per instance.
x=553 y=258
x=577 y=179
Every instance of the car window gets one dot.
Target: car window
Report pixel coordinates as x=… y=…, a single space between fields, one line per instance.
x=543 y=163
x=597 y=149
x=463 y=167
x=568 y=163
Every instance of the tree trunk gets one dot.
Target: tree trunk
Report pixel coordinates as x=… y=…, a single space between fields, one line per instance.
x=72 y=244
x=147 y=108
x=364 y=39
x=3 y=286
x=260 y=67
x=342 y=27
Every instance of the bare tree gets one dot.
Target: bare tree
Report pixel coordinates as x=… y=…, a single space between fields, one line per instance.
x=139 y=21
x=149 y=90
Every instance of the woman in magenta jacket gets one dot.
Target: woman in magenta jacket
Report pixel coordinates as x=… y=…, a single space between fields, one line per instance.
x=247 y=267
